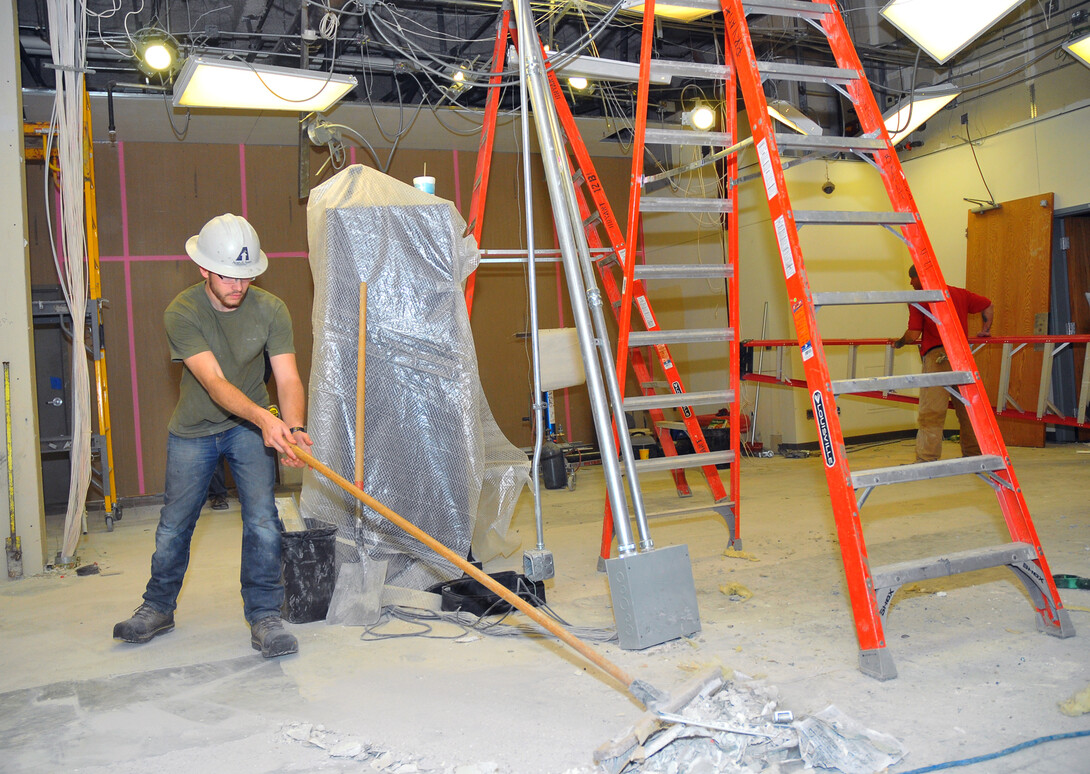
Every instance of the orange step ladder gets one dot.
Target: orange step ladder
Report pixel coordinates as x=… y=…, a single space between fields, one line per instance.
x=609 y=247
x=871 y=589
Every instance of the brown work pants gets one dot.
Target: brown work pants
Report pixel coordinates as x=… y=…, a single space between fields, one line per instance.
x=934 y=402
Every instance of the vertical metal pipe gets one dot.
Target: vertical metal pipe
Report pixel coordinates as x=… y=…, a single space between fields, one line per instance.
x=531 y=279
x=558 y=179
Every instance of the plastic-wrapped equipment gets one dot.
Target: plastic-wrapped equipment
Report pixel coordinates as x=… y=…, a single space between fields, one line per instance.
x=432 y=450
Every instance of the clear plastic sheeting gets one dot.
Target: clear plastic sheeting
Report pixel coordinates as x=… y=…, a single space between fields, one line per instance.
x=432 y=450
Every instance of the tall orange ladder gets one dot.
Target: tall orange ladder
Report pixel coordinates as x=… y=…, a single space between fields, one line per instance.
x=608 y=246
x=871 y=589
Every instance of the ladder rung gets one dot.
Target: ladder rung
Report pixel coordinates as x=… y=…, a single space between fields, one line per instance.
x=901 y=382
x=796 y=8
x=655 y=383
x=877 y=297
x=683 y=204
x=817 y=142
x=643 y=271
x=686 y=137
x=849 y=218
x=670 y=424
x=912 y=571
x=672 y=69
x=724 y=509
x=925 y=471
x=789 y=71
x=676 y=400
x=675 y=462
x=686 y=336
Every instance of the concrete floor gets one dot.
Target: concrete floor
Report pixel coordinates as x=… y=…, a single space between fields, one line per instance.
x=974 y=675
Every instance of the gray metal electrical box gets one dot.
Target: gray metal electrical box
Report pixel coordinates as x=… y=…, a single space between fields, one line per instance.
x=654 y=599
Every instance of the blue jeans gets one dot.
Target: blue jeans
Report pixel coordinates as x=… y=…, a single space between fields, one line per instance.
x=190 y=465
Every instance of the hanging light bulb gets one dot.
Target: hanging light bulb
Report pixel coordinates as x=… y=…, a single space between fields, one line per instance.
x=701 y=117
x=156 y=52
x=578 y=82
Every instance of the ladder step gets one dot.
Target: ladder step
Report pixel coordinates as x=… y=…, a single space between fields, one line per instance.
x=877 y=297
x=705 y=71
x=848 y=218
x=826 y=144
x=670 y=424
x=894 y=575
x=684 y=137
x=687 y=336
x=676 y=400
x=683 y=204
x=925 y=471
x=789 y=71
x=684 y=461
x=724 y=509
x=655 y=383
x=797 y=8
x=901 y=382
x=643 y=271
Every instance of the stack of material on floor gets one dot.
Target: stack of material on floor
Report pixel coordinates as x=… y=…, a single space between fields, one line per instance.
x=433 y=451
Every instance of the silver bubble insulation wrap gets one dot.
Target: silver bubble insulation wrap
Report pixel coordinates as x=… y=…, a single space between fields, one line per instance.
x=432 y=451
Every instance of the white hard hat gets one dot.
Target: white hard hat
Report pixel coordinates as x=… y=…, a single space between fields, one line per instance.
x=228 y=246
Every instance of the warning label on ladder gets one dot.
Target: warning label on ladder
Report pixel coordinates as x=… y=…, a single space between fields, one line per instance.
x=766 y=169
x=785 y=248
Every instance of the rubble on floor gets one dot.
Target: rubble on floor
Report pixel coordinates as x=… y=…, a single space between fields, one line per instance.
x=738 y=728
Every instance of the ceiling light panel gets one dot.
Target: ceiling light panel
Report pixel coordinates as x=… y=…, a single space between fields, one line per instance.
x=229 y=84
x=942 y=28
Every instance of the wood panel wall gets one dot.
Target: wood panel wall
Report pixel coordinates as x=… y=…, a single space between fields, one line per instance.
x=153 y=196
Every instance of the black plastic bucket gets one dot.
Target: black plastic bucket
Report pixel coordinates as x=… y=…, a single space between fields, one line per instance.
x=308 y=562
x=554 y=470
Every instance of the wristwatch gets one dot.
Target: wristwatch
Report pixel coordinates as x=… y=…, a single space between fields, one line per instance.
x=297 y=429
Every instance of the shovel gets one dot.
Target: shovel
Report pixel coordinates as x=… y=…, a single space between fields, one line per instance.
x=647 y=695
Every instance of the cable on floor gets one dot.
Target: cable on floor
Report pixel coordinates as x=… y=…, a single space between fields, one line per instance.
x=478 y=624
x=1001 y=753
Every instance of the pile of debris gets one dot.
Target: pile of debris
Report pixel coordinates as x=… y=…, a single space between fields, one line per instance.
x=737 y=727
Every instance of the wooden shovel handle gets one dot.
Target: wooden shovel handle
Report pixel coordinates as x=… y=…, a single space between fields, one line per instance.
x=506 y=594
x=361 y=382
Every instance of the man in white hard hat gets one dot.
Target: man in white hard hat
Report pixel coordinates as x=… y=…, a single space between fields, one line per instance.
x=220 y=329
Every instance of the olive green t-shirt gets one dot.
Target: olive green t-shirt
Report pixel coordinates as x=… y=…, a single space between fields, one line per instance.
x=237 y=338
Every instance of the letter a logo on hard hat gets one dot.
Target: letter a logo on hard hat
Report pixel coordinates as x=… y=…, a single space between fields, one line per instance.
x=229 y=246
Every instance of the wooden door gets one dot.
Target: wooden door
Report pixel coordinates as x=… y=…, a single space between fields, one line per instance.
x=1008 y=260
x=1077 y=229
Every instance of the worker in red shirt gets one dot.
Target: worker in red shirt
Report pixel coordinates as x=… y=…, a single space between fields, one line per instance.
x=934 y=401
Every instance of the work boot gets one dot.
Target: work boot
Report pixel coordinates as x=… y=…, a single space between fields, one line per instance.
x=218 y=502
x=270 y=637
x=146 y=622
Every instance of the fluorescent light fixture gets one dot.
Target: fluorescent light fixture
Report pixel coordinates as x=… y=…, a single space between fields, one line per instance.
x=1079 y=47
x=701 y=118
x=790 y=116
x=682 y=10
x=230 y=84
x=608 y=70
x=905 y=117
x=942 y=28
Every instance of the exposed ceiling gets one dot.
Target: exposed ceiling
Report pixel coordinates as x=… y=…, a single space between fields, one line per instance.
x=406 y=53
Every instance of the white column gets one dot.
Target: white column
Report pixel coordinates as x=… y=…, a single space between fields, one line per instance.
x=16 y=321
